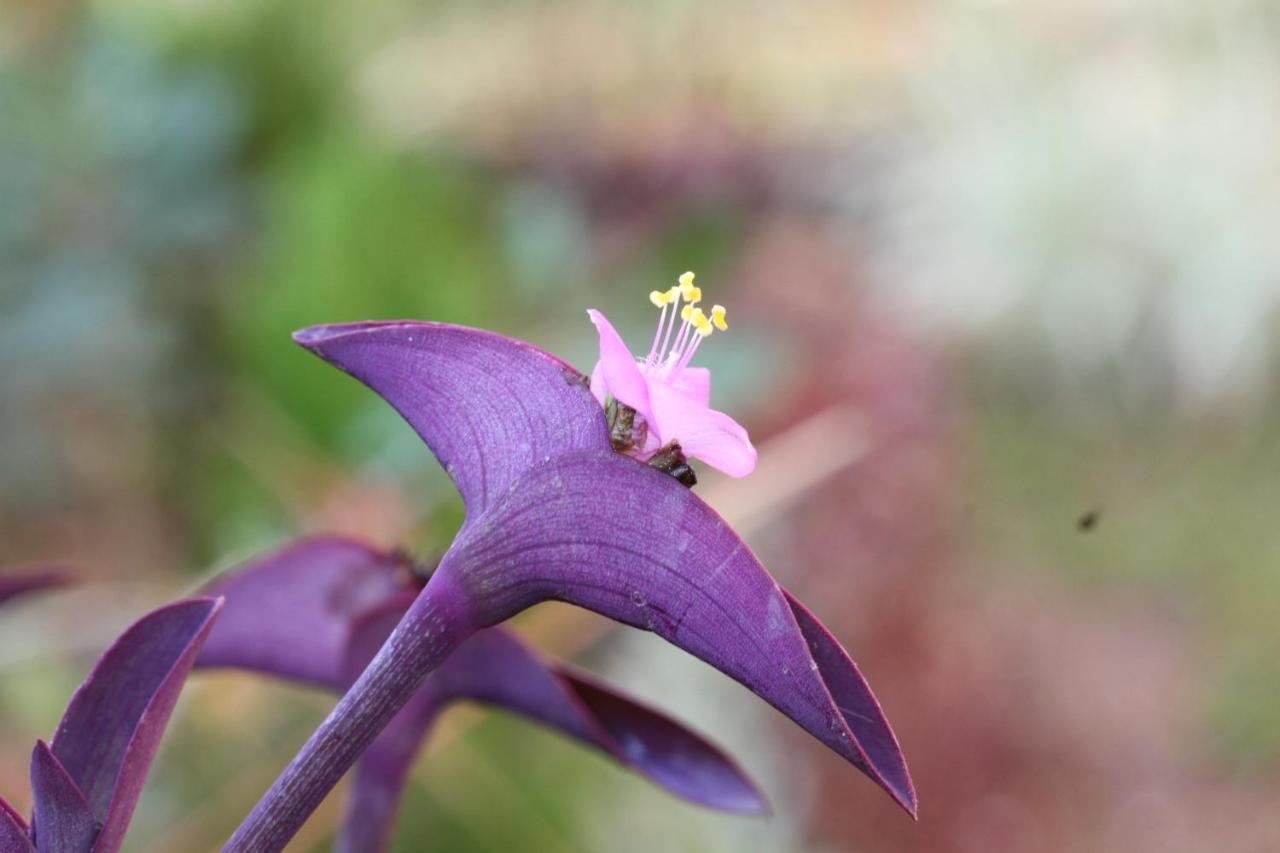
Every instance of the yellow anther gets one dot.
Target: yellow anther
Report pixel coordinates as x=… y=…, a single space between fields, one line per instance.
x=717 y=317
x=658 y=298
x=696 y=317
x=686 y=312
x=704 y=328
x=690 y=291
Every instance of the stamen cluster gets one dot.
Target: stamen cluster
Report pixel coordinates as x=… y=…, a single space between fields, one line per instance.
x=673 y=356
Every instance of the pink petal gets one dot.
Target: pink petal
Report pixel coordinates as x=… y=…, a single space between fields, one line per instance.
x=703 y=433
x=695 y=382
x=598 y=388
x=622 y=377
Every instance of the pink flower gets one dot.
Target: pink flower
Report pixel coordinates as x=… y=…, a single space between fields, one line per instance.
x=672 y=397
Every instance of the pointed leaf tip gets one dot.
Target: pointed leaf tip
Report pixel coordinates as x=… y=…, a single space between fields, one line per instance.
x=113 y=724
x=858 y=706
x=671 y=755
x=62 y=818
x=14 y=835
x=314 y=336
x=490 y=407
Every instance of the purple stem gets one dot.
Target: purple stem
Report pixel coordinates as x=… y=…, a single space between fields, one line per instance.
x=436 y=624
x=375 y=793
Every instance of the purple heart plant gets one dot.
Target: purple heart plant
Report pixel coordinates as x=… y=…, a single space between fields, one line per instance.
x=571 y=500
x=344 y=597
x=86 y=782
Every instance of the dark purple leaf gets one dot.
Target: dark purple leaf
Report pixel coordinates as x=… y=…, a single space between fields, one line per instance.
x=665 y=751
x=488 y=406
x=436 y=623
x=291 y=613
x=112 y=727
x=327 y=576
x=605 y=532
x=63 y=822
x=13 y=831
x=857 y=704
x=496 y=669
x=554 y=514
x=13 y=585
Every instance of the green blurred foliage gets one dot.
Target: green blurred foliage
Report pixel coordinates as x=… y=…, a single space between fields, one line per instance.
x=355 y=234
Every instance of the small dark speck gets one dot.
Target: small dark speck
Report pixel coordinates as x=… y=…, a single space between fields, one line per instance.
x=573 y=377
x=1089 y=520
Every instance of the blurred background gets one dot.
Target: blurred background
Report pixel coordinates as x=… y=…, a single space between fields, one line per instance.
x=1003 y=286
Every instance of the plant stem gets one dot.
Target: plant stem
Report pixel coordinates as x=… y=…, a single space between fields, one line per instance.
x=437 y=622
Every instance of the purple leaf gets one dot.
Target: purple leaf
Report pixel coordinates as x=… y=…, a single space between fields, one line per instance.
x=291 y=613
x=63 y=822
x=495 y=668
x=328 y=576
x=32 y=580
x=112 y=727
x=665 y=751
x=852 y=696
x=554 y=514
x=436 y=623
x=13 y=831
x=605 y=532
x=488 y=406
